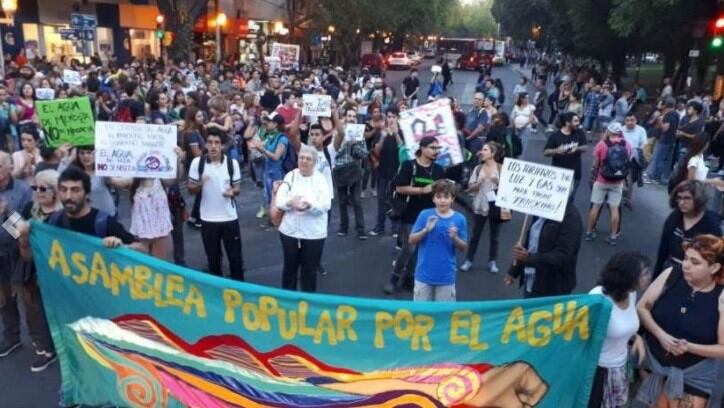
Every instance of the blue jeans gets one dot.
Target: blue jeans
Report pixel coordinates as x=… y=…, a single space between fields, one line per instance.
x=661 y=162
x=270 y=176
x=524 y=135
x=589 y=121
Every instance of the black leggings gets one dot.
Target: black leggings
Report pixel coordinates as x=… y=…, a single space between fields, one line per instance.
x=599 y=379
x=304 y=255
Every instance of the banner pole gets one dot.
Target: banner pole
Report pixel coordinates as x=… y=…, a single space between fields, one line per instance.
x=522 y=234
x=522 y=230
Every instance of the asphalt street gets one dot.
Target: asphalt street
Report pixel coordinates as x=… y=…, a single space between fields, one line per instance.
x=361 y=268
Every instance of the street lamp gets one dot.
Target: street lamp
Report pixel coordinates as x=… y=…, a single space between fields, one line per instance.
x=220 y=21
x=9 y=7
x=331 y=29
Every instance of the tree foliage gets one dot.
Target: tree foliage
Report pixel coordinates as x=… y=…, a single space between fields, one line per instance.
x=608 y=30
x=470 y=20
x=180 y=16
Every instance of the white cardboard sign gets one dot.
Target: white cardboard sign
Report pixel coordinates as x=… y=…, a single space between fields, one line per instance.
x=71 y=77
x=433 y=119
x=45 y=94
x=317 y=105
x=535 y=189
x=354 y=132
x=135 y=150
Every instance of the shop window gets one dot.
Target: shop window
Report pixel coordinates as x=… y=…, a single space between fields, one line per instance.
x=32 y=40
x=144 y=43
x=104 y=40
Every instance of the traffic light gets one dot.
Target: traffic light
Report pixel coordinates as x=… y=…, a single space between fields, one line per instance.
x=717 y=39
x=160 y=31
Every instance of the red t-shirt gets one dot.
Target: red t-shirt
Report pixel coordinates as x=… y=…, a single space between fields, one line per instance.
x=600 y=152
x=288 y=113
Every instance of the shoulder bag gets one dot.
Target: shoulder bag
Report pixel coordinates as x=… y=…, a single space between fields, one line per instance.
x=275 y=214
x=397 y=203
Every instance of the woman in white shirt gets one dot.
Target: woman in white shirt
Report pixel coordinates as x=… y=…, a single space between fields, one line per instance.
x=521 y=87
x=523 y=117
x=305 y=198
x=696 y=168
x=623 y=274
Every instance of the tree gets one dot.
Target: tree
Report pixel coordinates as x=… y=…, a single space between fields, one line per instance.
x=180 y=16
x=470 y=20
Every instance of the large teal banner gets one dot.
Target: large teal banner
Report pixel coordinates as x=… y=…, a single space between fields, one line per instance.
x=134 y=331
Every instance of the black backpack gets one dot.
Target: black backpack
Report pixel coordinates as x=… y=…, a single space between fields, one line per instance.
x=60 y=219
x=616 y=164
x=229 y=166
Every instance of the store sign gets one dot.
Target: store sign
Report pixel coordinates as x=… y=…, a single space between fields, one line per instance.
x=83 y=21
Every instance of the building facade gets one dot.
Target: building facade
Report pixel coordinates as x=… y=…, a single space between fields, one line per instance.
x=126 y=28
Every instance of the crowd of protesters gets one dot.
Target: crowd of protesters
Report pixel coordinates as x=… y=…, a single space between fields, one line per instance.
x=238 y=120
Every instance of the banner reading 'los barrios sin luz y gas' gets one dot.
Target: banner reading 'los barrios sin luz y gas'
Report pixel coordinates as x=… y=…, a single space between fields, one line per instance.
x=134 y=331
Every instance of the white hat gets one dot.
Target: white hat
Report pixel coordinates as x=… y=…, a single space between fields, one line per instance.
x=615 y=128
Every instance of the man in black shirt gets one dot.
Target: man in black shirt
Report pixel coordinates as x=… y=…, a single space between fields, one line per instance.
x=415 y=180
x=566 y=145
x=77 y=215
x=384 y=149
x=690 y=127
x=665 y=127
x=410 y=87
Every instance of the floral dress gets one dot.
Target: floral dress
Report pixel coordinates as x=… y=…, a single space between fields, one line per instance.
x=150 y=216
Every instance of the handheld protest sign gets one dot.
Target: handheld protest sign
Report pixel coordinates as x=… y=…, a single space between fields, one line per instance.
x=287 y=54
x=354 y=132
x=433 y=119
x=67 y=121
x=536 y=189
x=71 y=77
x=45 y=94
x=317 y=105
x=135 y=150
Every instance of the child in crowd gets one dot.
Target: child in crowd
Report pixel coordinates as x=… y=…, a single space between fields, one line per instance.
x=439 y=232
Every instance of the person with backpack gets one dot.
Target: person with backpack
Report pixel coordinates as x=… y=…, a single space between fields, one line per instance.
x=132 y=108
x=611 y=162
x=217 y=178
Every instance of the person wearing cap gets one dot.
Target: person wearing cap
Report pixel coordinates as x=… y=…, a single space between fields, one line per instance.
x=611 y=159
x=273 y=150
x=414 y=180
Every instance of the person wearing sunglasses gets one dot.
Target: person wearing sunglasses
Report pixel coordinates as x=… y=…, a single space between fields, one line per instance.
x=24 y=278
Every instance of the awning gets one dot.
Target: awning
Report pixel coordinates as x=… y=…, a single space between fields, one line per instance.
x=140 y=17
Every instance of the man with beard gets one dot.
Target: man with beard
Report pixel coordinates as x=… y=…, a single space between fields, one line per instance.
x=77 y=215
x=566 y=145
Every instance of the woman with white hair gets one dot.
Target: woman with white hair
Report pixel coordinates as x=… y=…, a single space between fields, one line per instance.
x=45 y=202
x=305 y=199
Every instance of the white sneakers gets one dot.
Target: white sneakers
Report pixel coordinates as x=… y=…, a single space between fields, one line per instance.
x=467 y=265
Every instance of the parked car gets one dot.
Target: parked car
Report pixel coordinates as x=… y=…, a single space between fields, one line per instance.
x=415 y=57
x=429 y=53
x=374 y=62
x=474 y=60
x=399 y=60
